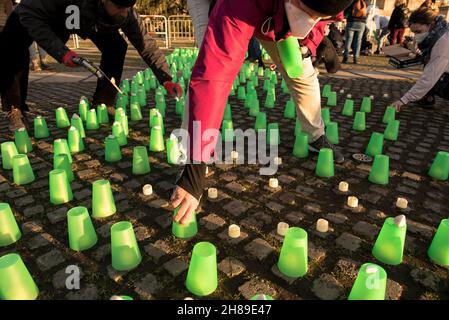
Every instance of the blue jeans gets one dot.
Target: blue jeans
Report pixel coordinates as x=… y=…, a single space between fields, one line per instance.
x=354 y=32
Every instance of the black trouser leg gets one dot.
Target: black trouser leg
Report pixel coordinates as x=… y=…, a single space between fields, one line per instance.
x=113 y=51
x=14 y=63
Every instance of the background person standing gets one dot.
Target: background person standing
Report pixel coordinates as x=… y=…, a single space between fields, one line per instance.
x=355 y=27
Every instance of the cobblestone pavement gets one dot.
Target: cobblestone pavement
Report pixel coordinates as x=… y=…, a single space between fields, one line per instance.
x=248 y=264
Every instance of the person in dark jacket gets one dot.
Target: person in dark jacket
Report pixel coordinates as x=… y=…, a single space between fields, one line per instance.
x=50 y=23
x=355 y=27
x=398 y=22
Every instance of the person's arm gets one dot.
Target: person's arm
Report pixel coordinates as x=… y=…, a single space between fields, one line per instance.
x=199 y=12
x=35 y=16
x=146 y=46
x=438 y=64
x=220 y=58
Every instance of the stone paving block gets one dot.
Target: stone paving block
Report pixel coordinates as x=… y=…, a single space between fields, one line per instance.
x=87 y=292
x=32 y=211
x=237 y=207
x=255 y=286
x=349 y=242
x=259 y=248
x=426 y=278
x=32 y=227
x=231 y=267
x=326 y=287
x=421 y=229
x=57 y=216
x=49 y=260
x=394 y=290
x=366 y=229
x=212 y=222
x=148 y=286
x=101 y=252
x=60 y=278
x=39 y=241
x=175 y=266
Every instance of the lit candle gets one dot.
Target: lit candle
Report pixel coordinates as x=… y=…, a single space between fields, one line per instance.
x=234 y=155
x=385 y=95
x=353 y=202
x=273 y=183
x=147 y=190
x=212 y=193
x=342 y=91
x=400 y=221
x=343 y=186
x=401 y=203
x=282 y=228
x=188 y=298
x=234 y=231
x=322 y=225
x=116 y=298
x=207 y=171
x=349 y=96
x=277 y=161
x=371 y=97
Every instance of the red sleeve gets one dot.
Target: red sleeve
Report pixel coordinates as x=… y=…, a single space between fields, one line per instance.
x=231 y=25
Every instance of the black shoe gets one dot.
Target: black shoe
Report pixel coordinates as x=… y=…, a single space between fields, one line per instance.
x=323 y=142
x=428 y=102
x=15 y=119
x=345 y=60
x=355 y=61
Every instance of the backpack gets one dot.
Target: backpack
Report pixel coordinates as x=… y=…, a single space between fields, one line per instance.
x=359 y=9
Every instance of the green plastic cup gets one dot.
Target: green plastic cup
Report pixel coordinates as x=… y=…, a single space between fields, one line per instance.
x=102 y=114
x=439 y=169
x=136 y=112
x=82 y=235
x=332 y=132
x=375 y=144
x=301 y=146
x=173 y=152
x=61 y=161
x=380 y=171
x=289 y=111
x=241 y=94
x=359 y=121
x=179 y=106
x=9 y=230
x=62 y=120
x=332 y=99
x=389 y=115
x=366 y=105
x=261 y=296
x=202 y=278
x=112 y=152
x=21 y=170
x=83 y=108
x=156 y=139
x=77 y=122
x=16 y=282
x=227 y=114
x=325 y=164
x=326 y=90
x=60 y=146
x=269 y=101
x=284 y=87
x=261 y=121
x=392 y=130
x=141 y=163
x=124 y=248
x=60 y=191
x=273 y=136
x=439 y=248
x=371 y=283
x=187 y=230
x=348 y=108
x=291 y=57
x=227 y=131
x=8 y=150
x=389 y=246
x=119 y=133
x=75 y=142
x=40 y=128
x=297 y=127
x=293 y=259
x=326 y=116
x=92 y=120
x=22 y=141
x=103 y=204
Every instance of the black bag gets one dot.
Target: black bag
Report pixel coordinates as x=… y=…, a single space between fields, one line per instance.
x=441 y=88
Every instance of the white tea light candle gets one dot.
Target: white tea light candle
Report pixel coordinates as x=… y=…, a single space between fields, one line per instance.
x=277 y=161
x=402 y=203
x=322 y=225
x=349 y=96
x=212 y=193
x=353 y=202
x=147 y=190
x=234 y=231
x=343 y=186
x=234 y=155
x=273 y=183
x=282 y=228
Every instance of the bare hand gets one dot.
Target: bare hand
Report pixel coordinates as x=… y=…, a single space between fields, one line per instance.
x=188 y=205
x=397 y=105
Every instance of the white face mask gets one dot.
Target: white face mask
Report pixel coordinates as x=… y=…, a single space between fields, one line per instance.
x=300 y=22
x=420 y=37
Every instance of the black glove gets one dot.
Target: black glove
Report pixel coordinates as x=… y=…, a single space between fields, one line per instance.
x=193 y=179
